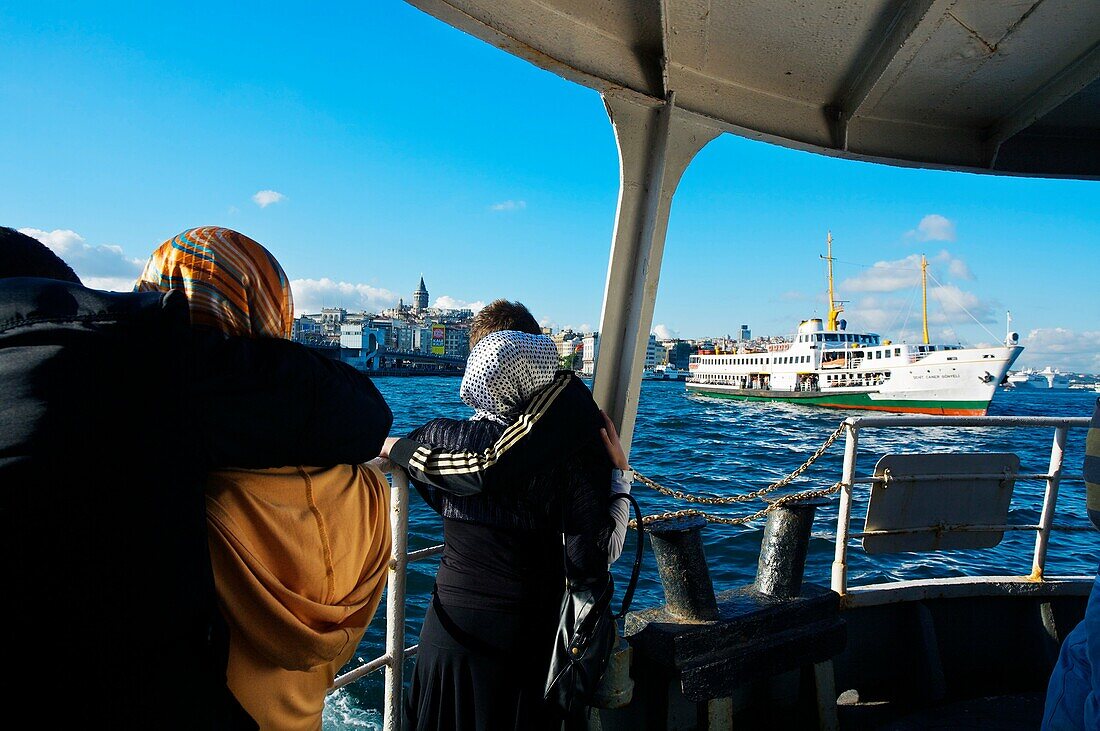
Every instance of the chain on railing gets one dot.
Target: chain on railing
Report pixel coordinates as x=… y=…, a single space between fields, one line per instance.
x=744 y=497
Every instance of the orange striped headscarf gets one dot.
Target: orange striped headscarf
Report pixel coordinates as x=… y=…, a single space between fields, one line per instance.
x=232 y=283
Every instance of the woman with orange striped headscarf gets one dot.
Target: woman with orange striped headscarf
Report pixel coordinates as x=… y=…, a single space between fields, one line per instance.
x=232 y=283
x=299 y=553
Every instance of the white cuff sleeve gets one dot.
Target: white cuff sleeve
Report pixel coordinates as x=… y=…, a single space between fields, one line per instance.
x=619 y=511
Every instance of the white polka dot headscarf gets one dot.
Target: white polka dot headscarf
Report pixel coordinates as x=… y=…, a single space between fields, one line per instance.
x=504 y=370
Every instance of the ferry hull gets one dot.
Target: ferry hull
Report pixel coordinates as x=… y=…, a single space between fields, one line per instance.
x=861 y=401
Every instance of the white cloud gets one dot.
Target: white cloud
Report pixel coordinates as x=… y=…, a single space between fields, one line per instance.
x=446 y=302
x=508 y=206
x=310 y=295
x=954 y=304
x=100 y=267
x=901 y=274
x=1063 y=349
x=664 y=332
x=109 y=284
x=933 y=227
x=265 y=198
x=899 y=317
x=886 y=276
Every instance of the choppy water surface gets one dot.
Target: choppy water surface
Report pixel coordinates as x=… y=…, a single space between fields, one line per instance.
x=725 y=447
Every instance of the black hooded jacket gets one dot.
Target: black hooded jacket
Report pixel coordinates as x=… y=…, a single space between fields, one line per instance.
x=503 y=544
x=112 y=410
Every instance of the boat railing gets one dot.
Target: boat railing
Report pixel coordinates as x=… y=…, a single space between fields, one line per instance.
x=393 y=659
x=879 y=593
x=396 y=652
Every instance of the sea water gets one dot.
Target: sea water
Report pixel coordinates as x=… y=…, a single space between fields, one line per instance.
x=723 y=447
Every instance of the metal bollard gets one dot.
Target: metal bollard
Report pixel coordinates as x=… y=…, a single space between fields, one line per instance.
x=682 y=565
x=784 y=547
x=616 y=688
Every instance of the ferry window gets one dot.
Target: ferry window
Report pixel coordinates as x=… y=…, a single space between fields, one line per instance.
x=897 y=351
x=831 y=337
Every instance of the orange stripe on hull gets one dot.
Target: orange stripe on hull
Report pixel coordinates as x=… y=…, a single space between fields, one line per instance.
x=932 y=410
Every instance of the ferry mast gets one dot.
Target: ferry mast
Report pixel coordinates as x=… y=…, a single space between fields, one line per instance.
x=835 y=306
x=924 y=294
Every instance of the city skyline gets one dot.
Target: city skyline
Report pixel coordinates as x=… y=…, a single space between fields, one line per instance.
x=494 y=179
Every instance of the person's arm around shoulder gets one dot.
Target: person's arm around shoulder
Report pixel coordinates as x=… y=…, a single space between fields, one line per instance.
x=622 y=477
x=547 y=429
x=269 y=403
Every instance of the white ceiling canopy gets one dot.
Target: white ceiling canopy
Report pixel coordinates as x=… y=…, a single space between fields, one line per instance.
x=1002 y=86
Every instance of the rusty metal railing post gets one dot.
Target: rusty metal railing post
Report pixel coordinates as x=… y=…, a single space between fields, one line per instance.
x=682 y=565
x=1050 y=499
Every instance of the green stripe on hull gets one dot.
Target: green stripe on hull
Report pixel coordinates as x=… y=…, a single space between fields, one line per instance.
x=853 y=401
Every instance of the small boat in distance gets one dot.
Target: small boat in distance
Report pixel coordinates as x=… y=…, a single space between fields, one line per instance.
x=1030 y=379
x=825 y=365
x=664 y=373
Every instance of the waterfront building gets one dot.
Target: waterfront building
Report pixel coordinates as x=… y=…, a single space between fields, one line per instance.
x=590 y=352
x=305 y=329
x=457 y=342
x=651 y=352
x=679 y=352
x=660 y=356
x=333 y=315
x=566 y=341
x=746 y=334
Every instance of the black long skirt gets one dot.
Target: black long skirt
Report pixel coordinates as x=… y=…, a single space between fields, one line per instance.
x=482 y=670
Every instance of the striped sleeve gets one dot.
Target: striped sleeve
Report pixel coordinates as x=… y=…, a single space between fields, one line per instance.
x=512 y=455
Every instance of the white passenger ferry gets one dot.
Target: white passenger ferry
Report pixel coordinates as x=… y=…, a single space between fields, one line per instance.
x=825 y=365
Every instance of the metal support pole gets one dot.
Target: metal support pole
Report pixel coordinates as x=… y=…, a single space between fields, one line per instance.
x=784 y=547
x=1050 y=499
x=844 y=517
x=395 y=600
x=656 y=143
x=682 y=565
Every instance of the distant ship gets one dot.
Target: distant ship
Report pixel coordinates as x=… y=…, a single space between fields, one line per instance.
x=1029 y=379
x=825 y=365
x=664 y=373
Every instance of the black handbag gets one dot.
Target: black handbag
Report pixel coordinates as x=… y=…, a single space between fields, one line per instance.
x=587 y=633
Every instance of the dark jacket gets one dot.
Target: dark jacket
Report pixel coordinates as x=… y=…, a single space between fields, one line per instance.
x=559 y=419
x=112 y=409
x=546 y=472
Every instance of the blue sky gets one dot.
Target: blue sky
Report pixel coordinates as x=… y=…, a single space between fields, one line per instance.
x=383 y=144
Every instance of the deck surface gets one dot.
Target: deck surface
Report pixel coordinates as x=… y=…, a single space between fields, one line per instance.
x=1001 y=713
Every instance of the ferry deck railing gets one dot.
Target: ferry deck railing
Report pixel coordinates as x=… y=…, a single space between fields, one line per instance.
x=392 y=661
x=396 y=652
x=901 y=590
